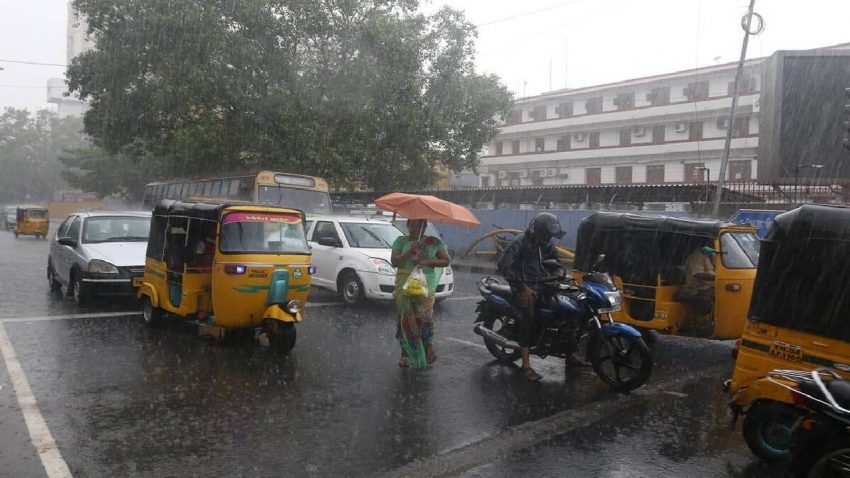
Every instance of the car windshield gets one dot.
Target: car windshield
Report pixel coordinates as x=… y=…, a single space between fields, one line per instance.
x=739 y=250
x=430 y=229
x=372 y=235
x=263 y=233
x=116 y=229
x=311 y=202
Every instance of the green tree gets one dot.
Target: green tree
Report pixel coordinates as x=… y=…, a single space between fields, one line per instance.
x=365 y=93
x=30 y=147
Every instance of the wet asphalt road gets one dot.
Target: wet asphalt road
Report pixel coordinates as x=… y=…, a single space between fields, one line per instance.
x=121 y=399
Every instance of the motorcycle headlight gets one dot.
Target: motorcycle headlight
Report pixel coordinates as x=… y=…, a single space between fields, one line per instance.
x=293 y=306
x=615 y=298
x=382 y=266
x=102 y=267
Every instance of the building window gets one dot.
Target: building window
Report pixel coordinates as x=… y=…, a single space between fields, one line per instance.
x=659 y=96
x=564 y=143
x=565 y=110
x=624 y=101
x=485 y=181
x=695 y=131
x=594 y=139
x=498 y=148
x=655 y=174
x=538 y=113
x=741 y=127
x=625 y=137
x=593 y=176
x=539 y=145
x=740 y=170
x=514 y=117
x=697 y=91
x=748 y=86
x=658 y=134
x=695 y=173
x=594 y=105
x=515 y=146
x=623 y=174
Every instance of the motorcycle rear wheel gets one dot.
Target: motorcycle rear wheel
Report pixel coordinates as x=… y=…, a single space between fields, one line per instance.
x=627 y=368
x=497 y=323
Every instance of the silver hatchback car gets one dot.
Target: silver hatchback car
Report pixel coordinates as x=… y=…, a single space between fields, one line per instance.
x=98 y=253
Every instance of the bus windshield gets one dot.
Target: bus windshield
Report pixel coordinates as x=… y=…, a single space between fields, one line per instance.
x=309 y=201
x=263 y=233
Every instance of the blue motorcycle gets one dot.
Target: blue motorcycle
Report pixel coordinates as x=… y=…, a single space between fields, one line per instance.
x=568 y=323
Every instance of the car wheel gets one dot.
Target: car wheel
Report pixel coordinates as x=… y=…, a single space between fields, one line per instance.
x=77 y=290
x=52 y=281
x=350 y=288
x=152 y=315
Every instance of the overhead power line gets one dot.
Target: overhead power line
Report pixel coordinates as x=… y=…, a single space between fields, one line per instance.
x=36 y=63
x=524 y=14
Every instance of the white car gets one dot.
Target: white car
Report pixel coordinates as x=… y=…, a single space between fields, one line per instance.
x=99 y=252
x=352 y=257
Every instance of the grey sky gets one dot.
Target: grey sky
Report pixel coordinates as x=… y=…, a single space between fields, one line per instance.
x=607 y=40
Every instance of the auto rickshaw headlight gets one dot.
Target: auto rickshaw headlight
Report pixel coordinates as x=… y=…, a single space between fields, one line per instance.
x=293 y=306
x=98 y=266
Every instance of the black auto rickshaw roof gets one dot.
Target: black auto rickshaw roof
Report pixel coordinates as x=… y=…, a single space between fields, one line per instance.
x=803 y=272
x=640 y=244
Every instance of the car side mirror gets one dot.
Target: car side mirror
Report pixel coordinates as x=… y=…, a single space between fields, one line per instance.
x=329 y=241
x=67 y=241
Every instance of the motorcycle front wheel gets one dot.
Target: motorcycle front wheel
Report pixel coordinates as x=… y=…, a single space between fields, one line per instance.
x=499 y=323
x=623 y=362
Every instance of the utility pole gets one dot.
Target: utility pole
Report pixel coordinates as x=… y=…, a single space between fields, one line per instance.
x=746 y=23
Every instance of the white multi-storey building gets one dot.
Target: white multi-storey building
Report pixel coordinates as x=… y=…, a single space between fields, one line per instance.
x=78 y=42
x=660 y=129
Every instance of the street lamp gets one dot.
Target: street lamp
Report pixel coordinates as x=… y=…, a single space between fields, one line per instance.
x=707 y=178
x=797 y=169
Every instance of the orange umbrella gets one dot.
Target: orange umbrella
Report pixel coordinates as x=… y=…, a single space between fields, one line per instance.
x=430 y=208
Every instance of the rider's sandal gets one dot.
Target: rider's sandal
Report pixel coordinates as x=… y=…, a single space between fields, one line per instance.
x=432 y=357
x=530 y=374
x=403 y=362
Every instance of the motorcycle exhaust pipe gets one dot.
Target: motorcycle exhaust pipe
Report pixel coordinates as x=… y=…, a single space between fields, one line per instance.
x=495 y=338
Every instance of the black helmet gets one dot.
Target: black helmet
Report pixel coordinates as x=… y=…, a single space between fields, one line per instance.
x=545 y=226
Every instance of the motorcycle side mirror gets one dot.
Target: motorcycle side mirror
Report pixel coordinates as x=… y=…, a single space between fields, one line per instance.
x=598 y=262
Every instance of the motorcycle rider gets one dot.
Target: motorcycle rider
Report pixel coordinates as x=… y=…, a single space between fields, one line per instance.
x=522 y=267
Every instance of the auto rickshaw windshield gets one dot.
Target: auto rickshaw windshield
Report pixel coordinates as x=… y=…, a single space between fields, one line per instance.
x=36 y=213
x=739 y=250
x=263 y=233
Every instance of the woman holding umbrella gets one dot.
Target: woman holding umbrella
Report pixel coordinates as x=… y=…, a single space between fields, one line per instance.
x=415 y=330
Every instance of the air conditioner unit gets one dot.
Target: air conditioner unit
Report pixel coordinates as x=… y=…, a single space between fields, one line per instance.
x=651 y=97
x=722 y=123
x=503 y=174
x=639 y=132
x=552 y=172
x=564 y=173
x=579 y=137
x=680 y=127
x=523 y=173
x=541 y=173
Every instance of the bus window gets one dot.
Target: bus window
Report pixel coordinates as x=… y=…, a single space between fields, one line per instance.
x=225 y=187
x=208 y=188
x=246 y=189
x=159 y=189
x=184 y=190
x=234 y=189
x=216 y=188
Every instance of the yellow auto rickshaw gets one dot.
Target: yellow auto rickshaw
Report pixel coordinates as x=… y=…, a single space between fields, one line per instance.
x=647 y=256
x=31 y=221
x=799 y=318
x=228 y=266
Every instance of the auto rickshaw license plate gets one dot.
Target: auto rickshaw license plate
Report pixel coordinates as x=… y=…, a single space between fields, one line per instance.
x=790 y=352
x=137 y=281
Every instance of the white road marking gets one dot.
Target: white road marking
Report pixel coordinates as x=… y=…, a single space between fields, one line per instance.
x=676 y=394
x=465 y=297
x=40 y=436
x=97 y=315
x=324 y=304
x=466 y=342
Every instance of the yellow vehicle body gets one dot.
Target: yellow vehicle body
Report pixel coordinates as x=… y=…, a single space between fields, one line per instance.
x=32 y=221
x=645 y=255
x=226 y=289
x=797 y=320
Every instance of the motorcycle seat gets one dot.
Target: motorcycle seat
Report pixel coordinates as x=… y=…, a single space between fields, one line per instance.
x=500 y=289
x=840 y=390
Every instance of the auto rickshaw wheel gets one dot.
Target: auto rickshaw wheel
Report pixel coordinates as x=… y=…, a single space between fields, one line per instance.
x=281 y=335
x=767 y=429
x=151 y=315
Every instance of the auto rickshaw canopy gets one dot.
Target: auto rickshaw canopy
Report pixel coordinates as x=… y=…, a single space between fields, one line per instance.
x=803 y=272
x=638 y=248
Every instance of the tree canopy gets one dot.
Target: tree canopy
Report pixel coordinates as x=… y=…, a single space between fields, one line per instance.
x=367 y=93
